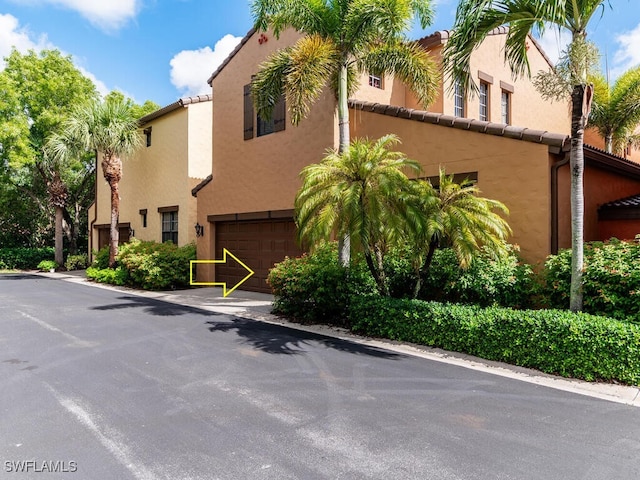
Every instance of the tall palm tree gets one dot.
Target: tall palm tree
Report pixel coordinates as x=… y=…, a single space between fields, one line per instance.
x=342 y=38
x=476 y=18
x=455 y=216
x=109 y=129
x=616 y=110
x=361 y=191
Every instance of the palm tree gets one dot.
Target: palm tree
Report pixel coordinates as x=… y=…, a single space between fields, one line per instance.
x=455 y=216
x=362 y=191
x=476 y=18
x=342 y=38
x=109 y=129
x=616 y=110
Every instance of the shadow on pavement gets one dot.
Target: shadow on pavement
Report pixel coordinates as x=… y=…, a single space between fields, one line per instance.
x=282 y=340
x=155 y=307
x=19 y=276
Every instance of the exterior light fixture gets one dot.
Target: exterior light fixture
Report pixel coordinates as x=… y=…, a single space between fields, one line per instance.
x=199 y=230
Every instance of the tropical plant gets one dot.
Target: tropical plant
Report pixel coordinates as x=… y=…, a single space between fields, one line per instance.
x=109 y=129
x=455 y=216
x=341 y=40
x=616 y=110
x=476 y=18
x=363 y=192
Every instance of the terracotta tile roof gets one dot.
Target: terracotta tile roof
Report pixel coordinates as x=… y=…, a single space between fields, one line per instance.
x=556 y=141
x=201 y=185
x=627 y=202
x=183 y=102
x=244 y=40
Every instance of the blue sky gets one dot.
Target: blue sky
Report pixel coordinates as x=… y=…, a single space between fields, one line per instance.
x=162 y=50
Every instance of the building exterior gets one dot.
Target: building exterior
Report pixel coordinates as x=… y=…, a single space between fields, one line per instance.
x=155 y=190
x=247 y=204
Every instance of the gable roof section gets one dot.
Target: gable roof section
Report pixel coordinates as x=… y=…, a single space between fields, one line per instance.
x=555 y=141
x=598 y=158
x=201 y=185
x=441 y=36
x=244 y=40
x=183 y=102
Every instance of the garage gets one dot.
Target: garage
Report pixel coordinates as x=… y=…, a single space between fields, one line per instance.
x=259 y=244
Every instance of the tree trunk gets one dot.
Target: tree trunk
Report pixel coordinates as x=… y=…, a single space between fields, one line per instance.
x=581 y=105
x=344 y=243
x=425 y=268
x=59 y=255
x=112 y=170
x=608 y=143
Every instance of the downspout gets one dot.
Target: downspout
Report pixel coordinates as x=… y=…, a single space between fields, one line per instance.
x=95 y=211
x=554 y=201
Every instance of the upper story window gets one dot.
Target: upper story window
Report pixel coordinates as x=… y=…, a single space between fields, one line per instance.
x=506 y=107
x=169 y=223
x=458 y=99
x=254 y=123
x=375 y=81
x=147 y=134
x=484 y=101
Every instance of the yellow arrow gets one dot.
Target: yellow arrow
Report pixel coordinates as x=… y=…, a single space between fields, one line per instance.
x=225 y=252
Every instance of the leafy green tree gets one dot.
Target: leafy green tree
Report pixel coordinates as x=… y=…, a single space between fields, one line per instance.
x=476 y=18
x=137 y=110
x=341 y=40
x=109 y=129
x=455 y=216
x=361 y=191
x=37 y=90
x=616 y=110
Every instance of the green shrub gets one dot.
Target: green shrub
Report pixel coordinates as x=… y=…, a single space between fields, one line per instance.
x=25 y=258
x=315 y=287
x=146 y=265
x=76 y=262
x=46 y=265
x=611 y=280
x=573 y=345
x=113 y=276
x=504 y=282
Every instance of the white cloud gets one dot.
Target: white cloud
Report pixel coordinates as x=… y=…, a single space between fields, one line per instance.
x=554 y=42
x=190 y=69
x=106 y=14
x=628 y=54
x=12 y=35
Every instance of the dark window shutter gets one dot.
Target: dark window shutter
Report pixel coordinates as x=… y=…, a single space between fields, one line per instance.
x=248 y=113
x=279 y=115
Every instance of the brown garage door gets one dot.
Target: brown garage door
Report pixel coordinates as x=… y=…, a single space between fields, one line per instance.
x=258 y=243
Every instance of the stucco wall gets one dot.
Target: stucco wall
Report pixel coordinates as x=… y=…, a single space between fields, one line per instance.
x=528 y=109
x=262 y=173
x=515 y=172
x=620 y=229
x=163 y=175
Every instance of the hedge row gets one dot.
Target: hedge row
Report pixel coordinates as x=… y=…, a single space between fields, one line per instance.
x=24 y=258
x=553 y=341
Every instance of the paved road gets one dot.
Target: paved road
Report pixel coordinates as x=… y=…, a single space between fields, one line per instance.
x=116 y=386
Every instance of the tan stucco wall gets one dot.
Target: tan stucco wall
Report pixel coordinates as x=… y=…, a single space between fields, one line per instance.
x=528 y=109
x=260 y=174
x=163 y=175
x=515 y=172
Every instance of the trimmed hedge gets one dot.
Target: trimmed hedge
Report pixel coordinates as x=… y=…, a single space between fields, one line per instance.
x=24 y=258
x=557 y=342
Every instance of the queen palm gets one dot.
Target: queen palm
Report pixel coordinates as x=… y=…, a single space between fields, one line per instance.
x=455 y=216
x=616 y=110
x=476 y=18
x=342 y=38
x=109 y=129
x=363 y=191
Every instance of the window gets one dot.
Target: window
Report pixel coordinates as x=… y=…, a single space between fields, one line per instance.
x=169 y=223
x=506 y=107
x=147 y=133
x=143 y=217
x=458 y=99
x=375 y=81
x=484 y=101
x=277 y=122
